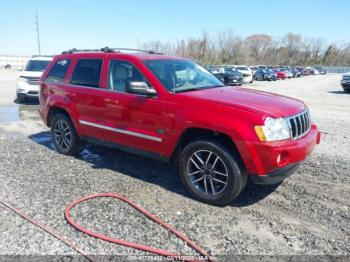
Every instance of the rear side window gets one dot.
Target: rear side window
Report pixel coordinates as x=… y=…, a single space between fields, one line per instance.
x=58 y=71
x=87 y=72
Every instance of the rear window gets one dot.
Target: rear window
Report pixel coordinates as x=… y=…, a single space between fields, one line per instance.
x=36 y=65
x=87 y=72
x=58 y=71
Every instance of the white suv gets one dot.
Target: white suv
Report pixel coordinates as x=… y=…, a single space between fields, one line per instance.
x=28 y=80
x=246 y=72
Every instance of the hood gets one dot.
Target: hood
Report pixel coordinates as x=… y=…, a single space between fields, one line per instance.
x=263 y=103
x=31 y=74
x=346 y=74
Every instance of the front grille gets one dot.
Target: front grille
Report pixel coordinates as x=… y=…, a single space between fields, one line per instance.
x=299 y=125
x=33 y=92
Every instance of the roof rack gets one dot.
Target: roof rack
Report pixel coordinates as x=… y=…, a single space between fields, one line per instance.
x=109 y=50
x=75 y=50
x=137 y=50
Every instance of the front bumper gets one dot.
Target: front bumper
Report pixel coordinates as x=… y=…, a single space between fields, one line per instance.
x=25 y=89
x=276 y=176
x=264 y=158
x=234 y=81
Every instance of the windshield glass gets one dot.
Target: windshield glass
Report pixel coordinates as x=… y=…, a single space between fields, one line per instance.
x=36 y=65
x=183 y=75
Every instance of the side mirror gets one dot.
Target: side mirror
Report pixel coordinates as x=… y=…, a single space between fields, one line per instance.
x=140 y=88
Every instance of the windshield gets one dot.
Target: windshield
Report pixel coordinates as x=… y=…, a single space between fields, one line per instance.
x=183 y=75
x=242 y=68
x=36 y=65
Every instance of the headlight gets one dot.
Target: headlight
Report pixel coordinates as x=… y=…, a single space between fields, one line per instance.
x=274 y=129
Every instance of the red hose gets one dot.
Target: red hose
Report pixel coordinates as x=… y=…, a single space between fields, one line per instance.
x=149 y=249
x=47 y=229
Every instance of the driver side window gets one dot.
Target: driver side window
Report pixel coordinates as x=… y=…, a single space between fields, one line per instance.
x=121 y=73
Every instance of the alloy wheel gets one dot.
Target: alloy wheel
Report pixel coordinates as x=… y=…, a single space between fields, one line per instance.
x=62 y=135
x=207 y=172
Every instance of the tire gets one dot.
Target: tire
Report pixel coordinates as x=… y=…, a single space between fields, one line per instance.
x=346 y=90
x=214 y=158
x=64 y=135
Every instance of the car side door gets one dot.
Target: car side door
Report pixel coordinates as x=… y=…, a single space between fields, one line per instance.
x=85 y=93
x=132 y=120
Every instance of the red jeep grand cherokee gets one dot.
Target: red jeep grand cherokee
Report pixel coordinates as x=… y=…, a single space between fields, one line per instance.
x=172 y=109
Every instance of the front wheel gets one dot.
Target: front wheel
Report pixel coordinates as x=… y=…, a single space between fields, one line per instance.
x=211 y=173
x=64 y=136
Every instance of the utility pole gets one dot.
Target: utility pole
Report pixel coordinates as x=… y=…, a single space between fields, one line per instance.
x=37 y=31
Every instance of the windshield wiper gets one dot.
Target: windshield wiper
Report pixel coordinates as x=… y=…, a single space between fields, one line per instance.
x=186 y=90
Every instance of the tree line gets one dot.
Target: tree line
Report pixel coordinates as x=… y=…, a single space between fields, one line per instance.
x=258 y=49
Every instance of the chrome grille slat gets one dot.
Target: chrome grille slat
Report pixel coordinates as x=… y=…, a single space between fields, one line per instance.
x=299 y=125
x=303 y=124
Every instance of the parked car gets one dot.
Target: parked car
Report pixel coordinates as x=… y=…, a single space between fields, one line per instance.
x=295 y=72
x=233 y=77
x=228 y=76
x=246 y=72
x=321 y=70
x=264 y=74
x=314 y=71
x=172 y=109
x=306 y=72
x=280 y=74
x=28 y=80
x=288 y=73
x=345 y=82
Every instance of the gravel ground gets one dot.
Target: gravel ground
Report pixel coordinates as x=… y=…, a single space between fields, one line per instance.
x=308 y=214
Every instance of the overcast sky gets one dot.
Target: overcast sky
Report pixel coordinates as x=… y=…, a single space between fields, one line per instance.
x=66 y=24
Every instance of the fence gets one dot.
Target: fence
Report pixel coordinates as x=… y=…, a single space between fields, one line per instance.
x=337 y=69
x=13 y=62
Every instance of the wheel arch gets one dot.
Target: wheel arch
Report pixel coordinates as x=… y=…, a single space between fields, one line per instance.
x=54 y=110
x=195 y=133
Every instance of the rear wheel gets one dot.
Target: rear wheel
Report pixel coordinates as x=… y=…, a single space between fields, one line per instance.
x=64 y=135
x=211 y=173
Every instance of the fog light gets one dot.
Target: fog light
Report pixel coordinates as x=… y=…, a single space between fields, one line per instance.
x=282 y=159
